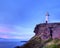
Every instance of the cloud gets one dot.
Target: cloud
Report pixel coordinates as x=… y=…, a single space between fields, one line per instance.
x=16 y=32
x=4 y=36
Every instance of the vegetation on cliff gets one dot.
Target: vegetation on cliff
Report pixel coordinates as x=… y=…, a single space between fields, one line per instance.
x=37 y=42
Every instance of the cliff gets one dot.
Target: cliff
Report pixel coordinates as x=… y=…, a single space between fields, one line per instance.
x=45 y=30
x=46 y=36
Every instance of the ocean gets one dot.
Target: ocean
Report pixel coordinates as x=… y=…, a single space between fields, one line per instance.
x=10 y=44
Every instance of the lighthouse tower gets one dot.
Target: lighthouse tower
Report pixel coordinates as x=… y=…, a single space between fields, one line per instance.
x=47 y=17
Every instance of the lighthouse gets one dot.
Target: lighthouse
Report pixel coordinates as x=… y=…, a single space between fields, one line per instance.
x=47 y=17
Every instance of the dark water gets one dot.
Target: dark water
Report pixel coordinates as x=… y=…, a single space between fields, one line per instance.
x=10 y=44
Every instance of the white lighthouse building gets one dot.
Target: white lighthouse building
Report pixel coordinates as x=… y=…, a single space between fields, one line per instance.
x=47 y=17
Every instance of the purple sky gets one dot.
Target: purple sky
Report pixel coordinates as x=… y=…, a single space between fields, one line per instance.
x=19 y=17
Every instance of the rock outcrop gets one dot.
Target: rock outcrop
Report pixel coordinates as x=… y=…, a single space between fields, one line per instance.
x=50 y=30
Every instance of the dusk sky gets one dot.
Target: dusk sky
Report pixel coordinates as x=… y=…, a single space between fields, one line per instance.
x=19 y=17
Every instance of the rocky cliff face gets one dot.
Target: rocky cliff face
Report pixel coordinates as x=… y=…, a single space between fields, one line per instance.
x=45 y=30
